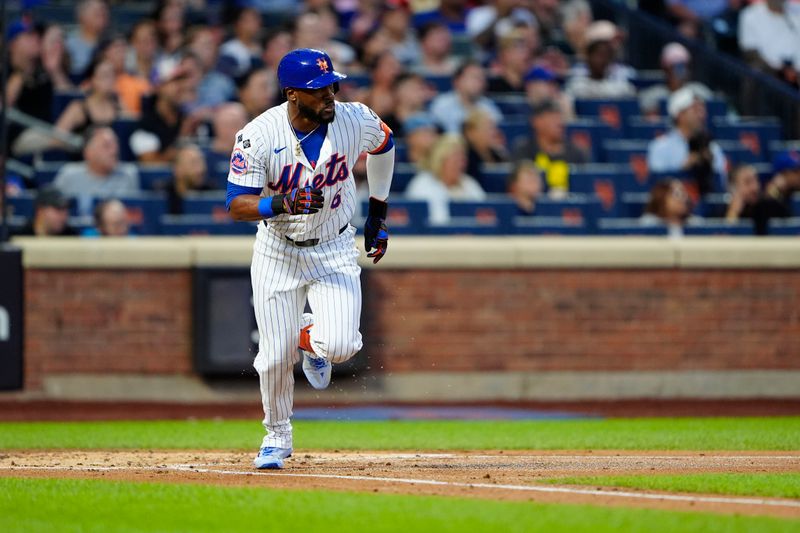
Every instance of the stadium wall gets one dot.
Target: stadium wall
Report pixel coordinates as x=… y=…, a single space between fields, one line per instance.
x=464 y=318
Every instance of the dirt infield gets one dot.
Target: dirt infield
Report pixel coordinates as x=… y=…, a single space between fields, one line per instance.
x=495 y=475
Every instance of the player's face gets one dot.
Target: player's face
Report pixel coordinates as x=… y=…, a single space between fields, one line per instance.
x=316 y=104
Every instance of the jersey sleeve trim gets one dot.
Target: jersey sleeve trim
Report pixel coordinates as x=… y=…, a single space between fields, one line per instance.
x=388 y=141
x=235 y=190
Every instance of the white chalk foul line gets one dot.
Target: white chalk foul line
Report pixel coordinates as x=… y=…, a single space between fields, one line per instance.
x=411 y=481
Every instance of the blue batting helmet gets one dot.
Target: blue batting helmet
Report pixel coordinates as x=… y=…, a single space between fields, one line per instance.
x=307 y=68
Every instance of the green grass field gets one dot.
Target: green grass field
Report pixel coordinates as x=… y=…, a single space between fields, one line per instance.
x=80 y=505
x=97 y=505
x=779 y=433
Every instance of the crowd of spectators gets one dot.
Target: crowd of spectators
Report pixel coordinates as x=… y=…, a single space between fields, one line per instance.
x=191 y=74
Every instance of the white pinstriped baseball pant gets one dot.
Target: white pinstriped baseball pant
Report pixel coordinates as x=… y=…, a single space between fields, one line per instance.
x=283 y=277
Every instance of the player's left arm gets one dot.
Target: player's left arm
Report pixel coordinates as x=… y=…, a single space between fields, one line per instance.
x=380 y=167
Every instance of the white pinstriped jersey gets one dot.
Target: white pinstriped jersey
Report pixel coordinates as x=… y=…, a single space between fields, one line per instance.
x=265 y=156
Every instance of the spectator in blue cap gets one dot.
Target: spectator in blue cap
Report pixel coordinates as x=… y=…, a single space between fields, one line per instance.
x=541 y=85
x=785 y=180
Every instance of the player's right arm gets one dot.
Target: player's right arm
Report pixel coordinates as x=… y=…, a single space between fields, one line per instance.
x=245 y=200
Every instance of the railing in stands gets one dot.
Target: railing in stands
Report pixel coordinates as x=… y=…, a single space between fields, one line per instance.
x=749 y=91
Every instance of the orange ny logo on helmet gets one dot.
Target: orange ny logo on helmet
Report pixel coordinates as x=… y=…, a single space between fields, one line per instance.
x=322 y=64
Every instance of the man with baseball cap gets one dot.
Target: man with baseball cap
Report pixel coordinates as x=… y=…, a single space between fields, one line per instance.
x=687 y=147
x=675 y=63
x=51 y=216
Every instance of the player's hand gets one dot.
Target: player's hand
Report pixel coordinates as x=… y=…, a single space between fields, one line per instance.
x=303 y=201
x=376 y=235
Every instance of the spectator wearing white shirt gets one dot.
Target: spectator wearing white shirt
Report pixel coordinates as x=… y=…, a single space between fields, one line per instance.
x=601 y=77
x=445 y=180
x=687 y=147
x=238 y=54
x=450 y=109
x=769 y=36
x=676 y=63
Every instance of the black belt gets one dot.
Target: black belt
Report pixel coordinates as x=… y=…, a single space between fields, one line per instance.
x=308 y=242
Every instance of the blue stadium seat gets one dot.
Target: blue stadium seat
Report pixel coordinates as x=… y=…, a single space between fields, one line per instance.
x=515 y=130
x=607 y=183
x=124 y=128
x=589 y=134
x=22 y=205
x=60 y=156
x=358 y=80
x=45 y=173
x=633 y=203
x=628 y=227
x=403 y=173
x=648 y=78
x=218 y=165
x=546 y=225
x=632 y=153
x=512 y=104
x=206 y=203
x=493 y=211
x=785 y=227
x=154 y=177
x=574 y=210
x=495 y=176
x=144 y=211
x=466 y=226
x=737 y=153
x=203 y=225
x=713 y=205
x=405 y=217
x=61 y=99
x=780 y=146
x=442 y=84
x=611 y=112
x=754 y=133
x=719 y=227
x=646 y=128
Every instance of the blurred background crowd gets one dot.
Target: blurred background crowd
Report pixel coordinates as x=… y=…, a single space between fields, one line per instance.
x=663 y=117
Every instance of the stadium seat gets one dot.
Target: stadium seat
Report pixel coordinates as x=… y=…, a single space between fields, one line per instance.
x=576 y=209
x=144 y=211
x=646 y=128
x=206 y=203
x=403 y=173
x=629 y=152
x=154 y=177
x=45 y=173
x=217 y=165
x=61 y=99
x=442 y=84
x=203 y=225
x=785 y=227
x=737 y=153
x=405 y=217
x=607 y=183
x=589 y=134
x=515 y=130
x=494 y=177
x=511 y=104
x=633 y=204
x=492 y=211
x=546 y=225
x=124 y=128
x=648 y=78
x=755 y=133
x=22 y=205
x=629 y=227
x=466 y=226
x=719 y=227
x=611 y=112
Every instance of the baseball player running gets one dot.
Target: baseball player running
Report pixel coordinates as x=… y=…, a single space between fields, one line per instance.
x=291 y=170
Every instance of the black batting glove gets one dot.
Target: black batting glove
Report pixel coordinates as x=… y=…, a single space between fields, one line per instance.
x=303 y=201
x=376 y=235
